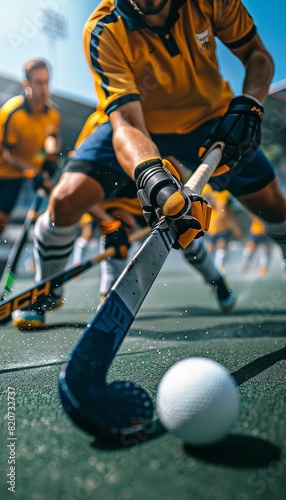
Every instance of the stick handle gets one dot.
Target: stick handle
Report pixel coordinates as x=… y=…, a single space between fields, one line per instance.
x=200 y=177
x=9 y=273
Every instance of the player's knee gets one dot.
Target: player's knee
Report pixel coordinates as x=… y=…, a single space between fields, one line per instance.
x=62 y=209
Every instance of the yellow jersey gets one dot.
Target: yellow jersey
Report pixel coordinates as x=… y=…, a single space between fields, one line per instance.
x=172 y=70
x=220 y=216
x=257 y=227
x=24 y=133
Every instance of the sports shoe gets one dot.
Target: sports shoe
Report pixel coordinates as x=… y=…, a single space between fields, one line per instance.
x=33 y=317
x=224 y=292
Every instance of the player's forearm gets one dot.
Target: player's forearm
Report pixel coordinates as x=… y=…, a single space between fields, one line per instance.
x=259 y=73
x=99 y=214
x=16 y=161
x=133 y=146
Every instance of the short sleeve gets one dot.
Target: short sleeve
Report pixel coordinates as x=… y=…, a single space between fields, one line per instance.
x=9 y=131
x=233 y=25
x=114 y=79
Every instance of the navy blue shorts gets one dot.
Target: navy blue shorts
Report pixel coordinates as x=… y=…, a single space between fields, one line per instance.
x=253 y=173
x=9 y=192
x=213 y=238
x=258 y=239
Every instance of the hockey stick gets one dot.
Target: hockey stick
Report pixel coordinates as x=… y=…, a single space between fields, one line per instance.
x=9 y=273
x=110 y=411
x=43 y=289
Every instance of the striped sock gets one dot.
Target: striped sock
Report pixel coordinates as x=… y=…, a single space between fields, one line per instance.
x=52 y=247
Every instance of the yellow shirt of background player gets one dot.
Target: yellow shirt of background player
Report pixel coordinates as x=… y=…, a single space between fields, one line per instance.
x=24 y=133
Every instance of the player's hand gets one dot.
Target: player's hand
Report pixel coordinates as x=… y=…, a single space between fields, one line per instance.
x=194 y=224
x=160 y=191
x=50 y=166
x=115 y=236
x=239 y=129
x=44 y=179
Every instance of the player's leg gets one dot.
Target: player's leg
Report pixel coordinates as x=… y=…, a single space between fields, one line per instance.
x=220 y=251
x=265 y=255
x=9 y=192
x=198 y=256
x=248 y=252
x=82 y=241
x=54 y=236
x=112 y=268
x=269 y=204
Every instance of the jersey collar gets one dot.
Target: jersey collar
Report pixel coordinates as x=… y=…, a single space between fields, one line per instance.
x=135 y=22
x=27 y=107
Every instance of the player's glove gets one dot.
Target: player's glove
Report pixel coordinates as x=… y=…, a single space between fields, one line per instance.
x=160 y=191
x=44 y=178
x=37 y=181
x=116 y=237
x=50 y=167
x=239 y=129
x=194 y=224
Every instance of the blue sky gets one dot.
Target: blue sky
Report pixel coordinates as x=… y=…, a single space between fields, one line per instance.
x=22 y=38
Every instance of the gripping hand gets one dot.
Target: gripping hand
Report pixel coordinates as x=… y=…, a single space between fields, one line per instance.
x=239 y=129
x=194 y=224
x=160 y=191
x=116 y=237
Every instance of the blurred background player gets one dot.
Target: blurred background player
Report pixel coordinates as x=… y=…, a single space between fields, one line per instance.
x=223 y=226
x=29 y=138
x=257 y=241
x=87 y=226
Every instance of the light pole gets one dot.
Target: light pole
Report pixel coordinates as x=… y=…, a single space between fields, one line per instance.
x=55 y=27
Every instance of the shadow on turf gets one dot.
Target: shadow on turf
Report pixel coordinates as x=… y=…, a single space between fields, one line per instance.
x=224 y=331
x=258 y=365
x=199 y=312
x=125 y=442
x=237 y=451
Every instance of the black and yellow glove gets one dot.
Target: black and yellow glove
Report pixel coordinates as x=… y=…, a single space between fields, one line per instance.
x=46 y=174
x=239 y=128
x=194 y=224
x=115 y=236
x=50 y=166
x=160 y=191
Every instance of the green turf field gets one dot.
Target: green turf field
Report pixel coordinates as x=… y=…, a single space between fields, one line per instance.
x=56 y=460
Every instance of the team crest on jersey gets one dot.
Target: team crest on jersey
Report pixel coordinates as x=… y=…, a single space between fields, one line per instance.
x=204 y=39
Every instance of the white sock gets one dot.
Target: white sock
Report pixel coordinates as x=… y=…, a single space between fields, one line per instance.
x=198 y=256
x=110 y=270
x=52 y=247
x=277 y=232
x=79 y=248
x=219 y=257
